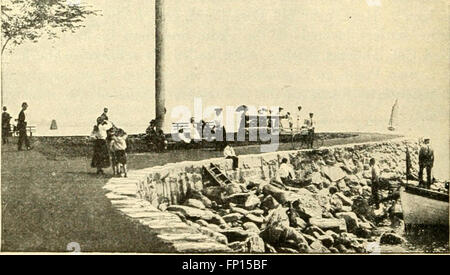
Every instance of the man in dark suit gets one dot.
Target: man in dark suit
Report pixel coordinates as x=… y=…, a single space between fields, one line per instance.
x=426 y=161
x=6 y=125
x=22 y=128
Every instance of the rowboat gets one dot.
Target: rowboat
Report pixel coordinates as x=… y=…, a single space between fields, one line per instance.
x=424 y=206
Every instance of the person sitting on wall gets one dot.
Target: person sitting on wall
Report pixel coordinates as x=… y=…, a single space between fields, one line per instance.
x=229 y=153
x=155 y=137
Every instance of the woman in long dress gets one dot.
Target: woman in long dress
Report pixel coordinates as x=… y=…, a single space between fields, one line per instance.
x=101 y=158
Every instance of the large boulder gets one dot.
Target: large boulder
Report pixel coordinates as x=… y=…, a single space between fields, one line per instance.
x=232 y=217
x=239 y=210
x=333 y=173
x=191 y=212
x=269 y=203
x=233 y=188
x=391 y=238
x=307 y=205
x=255 y=244
x=195 y=203
x=254 y=218
x=238 y=198
x=345 y=200
x=252 y=227
x=236 y=234
x=214 y=193
x=338 y=225
x=350 y=219
x=252 y=202
x=280 y=195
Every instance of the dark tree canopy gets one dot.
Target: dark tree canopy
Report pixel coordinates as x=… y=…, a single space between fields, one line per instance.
x=24 y=20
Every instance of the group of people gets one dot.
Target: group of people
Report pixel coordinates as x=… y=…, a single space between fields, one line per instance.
x=21 y=127
x=305 y=128
x=198 y=132
x=286 y=173
x=110 y=146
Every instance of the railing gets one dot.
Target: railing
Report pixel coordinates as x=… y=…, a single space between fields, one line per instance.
x=30 y=130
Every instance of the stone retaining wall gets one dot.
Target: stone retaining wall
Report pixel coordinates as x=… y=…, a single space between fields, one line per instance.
x=146 y=192
x=171 y=181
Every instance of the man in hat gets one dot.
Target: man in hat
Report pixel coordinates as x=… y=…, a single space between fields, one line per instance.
x=219 y=130
x=22 y=128
x=6 y=125
x=310 y=124
x=426 y=161
x=299 y=118
x=104 y=116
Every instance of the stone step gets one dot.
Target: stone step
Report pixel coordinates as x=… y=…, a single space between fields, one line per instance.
x=160 y=217
x=113 y=196
x=200 y=247
x=189 y=237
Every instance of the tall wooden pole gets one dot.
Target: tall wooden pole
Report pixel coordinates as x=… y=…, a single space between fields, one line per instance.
x=160 y=109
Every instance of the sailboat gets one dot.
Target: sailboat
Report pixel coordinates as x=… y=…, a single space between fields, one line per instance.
x=394 y=116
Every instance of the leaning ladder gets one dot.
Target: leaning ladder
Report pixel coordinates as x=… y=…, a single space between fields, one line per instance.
x=214 y=172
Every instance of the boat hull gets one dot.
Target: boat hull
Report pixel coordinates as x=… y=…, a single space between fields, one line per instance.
x=424 y=207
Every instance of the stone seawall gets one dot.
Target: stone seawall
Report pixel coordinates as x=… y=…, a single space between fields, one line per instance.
x=191 y=215
x=82 y=145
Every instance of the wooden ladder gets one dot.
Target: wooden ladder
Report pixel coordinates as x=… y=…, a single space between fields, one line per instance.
x=214 y=172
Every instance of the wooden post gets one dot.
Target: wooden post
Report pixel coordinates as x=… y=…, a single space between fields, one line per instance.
x=160 y=109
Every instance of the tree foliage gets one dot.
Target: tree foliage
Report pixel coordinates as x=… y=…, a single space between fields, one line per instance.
x=29 y=20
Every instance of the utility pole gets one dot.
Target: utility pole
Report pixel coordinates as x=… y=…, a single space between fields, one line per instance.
x=160 y=109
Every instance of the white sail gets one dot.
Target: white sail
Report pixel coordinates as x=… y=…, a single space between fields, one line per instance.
x=393 y=120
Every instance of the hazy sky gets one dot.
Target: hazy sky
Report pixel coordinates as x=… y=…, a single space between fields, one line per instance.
x=343 y=60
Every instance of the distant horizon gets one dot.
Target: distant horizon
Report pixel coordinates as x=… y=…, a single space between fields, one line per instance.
x=345 y=61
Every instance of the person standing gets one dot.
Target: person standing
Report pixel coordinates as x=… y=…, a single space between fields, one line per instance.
x=119 y=146
x=426 y=161
x=282 y=118
x=299 y=118
x=220 y=131
x=6 y=125
x=22 y=128
x=101 y=158
x=375 y=177
x=104 y=115
x=310 y=124
x=290 y=121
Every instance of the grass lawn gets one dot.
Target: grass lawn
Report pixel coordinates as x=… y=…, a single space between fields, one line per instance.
x=49 y=202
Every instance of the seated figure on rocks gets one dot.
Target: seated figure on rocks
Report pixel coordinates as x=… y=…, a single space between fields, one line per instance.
x=286 y=174
x=277 y=230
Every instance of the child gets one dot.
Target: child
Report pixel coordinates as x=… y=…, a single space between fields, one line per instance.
x=118 y=146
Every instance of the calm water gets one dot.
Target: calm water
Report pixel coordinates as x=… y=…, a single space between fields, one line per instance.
x=437 y=131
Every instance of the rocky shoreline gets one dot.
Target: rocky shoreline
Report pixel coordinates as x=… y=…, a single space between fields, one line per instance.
x=327 y=212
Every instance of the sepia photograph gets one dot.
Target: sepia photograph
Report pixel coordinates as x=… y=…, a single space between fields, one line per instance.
x=234 y=127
